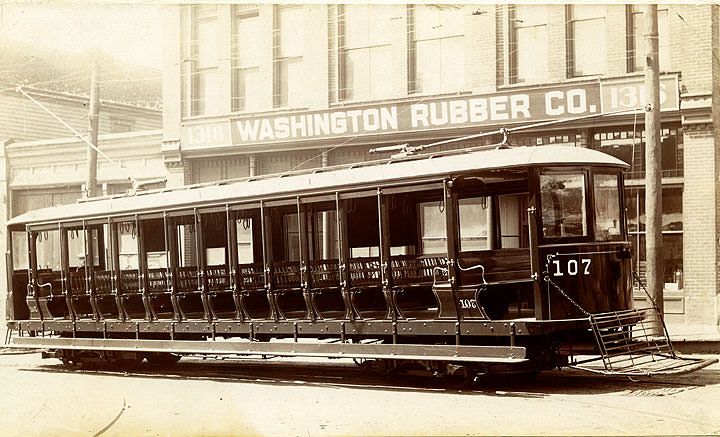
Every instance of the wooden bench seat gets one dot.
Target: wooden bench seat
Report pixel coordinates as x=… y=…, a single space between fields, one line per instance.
x=501 y=266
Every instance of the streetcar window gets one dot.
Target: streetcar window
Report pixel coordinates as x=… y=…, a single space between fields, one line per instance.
x=607 y=207
x=244 y=231
x=19 y=250
x=323 y=233
x=215 y=238
x=362 y=224
x=513 y=220
x=76 y=247
x=154 y=243
x=563 y=205
x=128 y=245
x=473 y=218
x=292 y=237
x=432 y=227
x=47 y=249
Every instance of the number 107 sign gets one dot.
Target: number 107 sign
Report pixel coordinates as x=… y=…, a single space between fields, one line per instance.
x=630 y=94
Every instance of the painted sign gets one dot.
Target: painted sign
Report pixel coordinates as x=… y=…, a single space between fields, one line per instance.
x=547 y=103
x=629 y=94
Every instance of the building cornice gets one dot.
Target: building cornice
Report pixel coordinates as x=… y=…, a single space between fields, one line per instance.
x=8 y=90
x=696 y=110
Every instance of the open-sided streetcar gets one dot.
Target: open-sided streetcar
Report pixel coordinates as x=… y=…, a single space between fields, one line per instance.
x=465 y=262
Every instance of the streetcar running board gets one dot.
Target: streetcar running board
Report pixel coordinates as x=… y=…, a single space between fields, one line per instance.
x=629 y=346
x=479 y=354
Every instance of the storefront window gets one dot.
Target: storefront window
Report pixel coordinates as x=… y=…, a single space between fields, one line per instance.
x=672 y=233
x=607 y=207
x=563 y=205
x=629 y=146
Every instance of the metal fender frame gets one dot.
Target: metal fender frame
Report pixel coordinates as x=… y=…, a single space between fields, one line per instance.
x=480 y=354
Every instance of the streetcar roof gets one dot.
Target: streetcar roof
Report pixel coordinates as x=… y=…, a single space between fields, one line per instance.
x=345 y=178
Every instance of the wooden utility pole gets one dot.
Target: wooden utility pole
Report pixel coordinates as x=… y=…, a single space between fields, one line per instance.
x=91 y=183
x=653 y=169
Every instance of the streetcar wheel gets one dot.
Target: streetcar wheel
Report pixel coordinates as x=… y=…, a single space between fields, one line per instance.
x=163 y=359
x=522 y=378
x=126 y=363
x=72 y=364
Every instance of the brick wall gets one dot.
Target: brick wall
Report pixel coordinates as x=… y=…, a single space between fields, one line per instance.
x=700 y=224
x=690 y=45
x=557 y=43
x=481 y=56
x=501 y=60
x=616 y=37
x=715 y=47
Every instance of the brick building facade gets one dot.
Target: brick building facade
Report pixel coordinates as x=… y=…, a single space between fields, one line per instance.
x=255 y=89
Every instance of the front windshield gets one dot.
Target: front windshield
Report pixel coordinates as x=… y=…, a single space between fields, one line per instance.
x=563 y=205
x=607 y=207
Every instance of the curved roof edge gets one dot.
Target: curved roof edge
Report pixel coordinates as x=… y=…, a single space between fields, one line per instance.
x=368 y=175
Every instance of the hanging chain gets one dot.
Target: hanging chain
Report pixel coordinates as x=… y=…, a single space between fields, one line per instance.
x=547 y=279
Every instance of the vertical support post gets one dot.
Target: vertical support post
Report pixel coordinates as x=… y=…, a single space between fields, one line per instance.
x=232 y=257
x=542 y=310
x=32 y=296
x=326 y=222
x=90 y=288
x=341 y=216
x=653 y=173
x=171 y=256
x=449 y=200
x=305 y=279
x=200 y=256
x=93 y=116
x=143 y=280
x=65 y=272
x=385 y=267
x=116 y=274
x=266 y=230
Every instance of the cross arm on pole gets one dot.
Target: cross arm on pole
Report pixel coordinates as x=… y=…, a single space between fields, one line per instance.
x=132 y=179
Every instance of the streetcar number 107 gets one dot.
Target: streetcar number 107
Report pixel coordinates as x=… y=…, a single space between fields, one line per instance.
x=574 y=267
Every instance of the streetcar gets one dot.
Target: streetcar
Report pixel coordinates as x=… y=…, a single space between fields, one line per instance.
x=461 y=263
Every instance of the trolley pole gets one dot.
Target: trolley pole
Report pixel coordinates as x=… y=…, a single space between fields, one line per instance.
x=91 y=183
x=653 y=169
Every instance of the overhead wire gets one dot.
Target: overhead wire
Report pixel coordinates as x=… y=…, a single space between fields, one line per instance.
x=132 y=179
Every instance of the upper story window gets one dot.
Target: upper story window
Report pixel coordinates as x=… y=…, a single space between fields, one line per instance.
x=528 y=45
x=636 y=45
x=206 y=94
x=586 y=40
x=288 y=56
x=366 y=51
x=120 y=125
x=436 y=61
x=246 y=86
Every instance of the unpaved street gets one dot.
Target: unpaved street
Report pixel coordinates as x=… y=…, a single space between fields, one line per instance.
x=321 y=398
